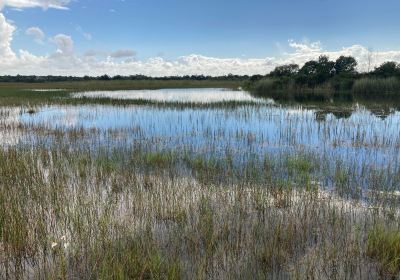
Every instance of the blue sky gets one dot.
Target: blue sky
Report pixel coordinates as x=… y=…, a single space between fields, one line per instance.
x=212 y=28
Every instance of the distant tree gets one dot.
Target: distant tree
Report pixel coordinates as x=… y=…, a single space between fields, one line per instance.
x=315 y=72
x=307 y=73
x=345 y=65
x=387 y=69
x=287 y=70
x=324 y=69
x=104 y=78
x=117 y=77
x=310 y=68
x=256 y=78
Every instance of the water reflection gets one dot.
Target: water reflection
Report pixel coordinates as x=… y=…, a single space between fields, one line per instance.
x=244 y=129
x=196 y=95
x=365 y=139
x=10 y=126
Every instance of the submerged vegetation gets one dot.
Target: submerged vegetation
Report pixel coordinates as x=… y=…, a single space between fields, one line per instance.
x=250 y=192
x=68 y=214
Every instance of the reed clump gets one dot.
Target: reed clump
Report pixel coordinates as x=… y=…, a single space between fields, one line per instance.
x=289 y=90
x=384 y=246
x=377 y=87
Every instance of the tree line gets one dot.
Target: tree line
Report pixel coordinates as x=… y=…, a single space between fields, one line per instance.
x=312 y=73
x=51 y=78
x=341 y=73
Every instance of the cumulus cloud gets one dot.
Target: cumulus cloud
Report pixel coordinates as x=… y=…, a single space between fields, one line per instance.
x=91 y=53
x=123 y=53
x=65 y=61
x=64 y=43
x=6 y=33
x=36 y=33
x=45 y=4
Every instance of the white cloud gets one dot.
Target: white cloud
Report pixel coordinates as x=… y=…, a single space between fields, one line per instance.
x=36 y=33
x=91 y=53
x=6 y=32
x=123 y=53
x=65 y=61
x=64 y=43
x=45 y=4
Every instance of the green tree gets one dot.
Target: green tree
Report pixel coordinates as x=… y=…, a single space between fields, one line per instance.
x=316 y=72
x=387 y=69
x=287 y=70
x=345 y=65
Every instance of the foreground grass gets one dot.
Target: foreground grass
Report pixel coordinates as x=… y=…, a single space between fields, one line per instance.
x=384 y=246
x=127 y=214
x=74 y=204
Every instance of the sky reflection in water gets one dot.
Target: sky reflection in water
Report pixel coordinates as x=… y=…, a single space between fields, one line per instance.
x=359 y=138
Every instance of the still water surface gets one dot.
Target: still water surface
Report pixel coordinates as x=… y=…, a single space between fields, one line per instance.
x=359 y=137
x=205 y=95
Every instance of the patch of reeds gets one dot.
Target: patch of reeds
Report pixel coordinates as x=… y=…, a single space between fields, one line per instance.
x=289 y=90
x=377 y=87
x=384 y=246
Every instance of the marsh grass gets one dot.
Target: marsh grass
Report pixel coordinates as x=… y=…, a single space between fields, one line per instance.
x=363 y=89
x=384 y=246
x=154 y=223
x=72 y=206
x=22 y=94
x=377 y=87
x=289 y=90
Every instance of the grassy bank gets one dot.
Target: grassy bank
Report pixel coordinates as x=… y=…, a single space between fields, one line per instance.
x=22 y=94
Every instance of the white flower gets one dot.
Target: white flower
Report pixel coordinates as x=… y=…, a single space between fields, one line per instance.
x=53 y=245
x=63 y=238
x=66 y=245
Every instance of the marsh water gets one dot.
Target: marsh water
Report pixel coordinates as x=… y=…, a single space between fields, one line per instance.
x=363 y=139
x=196 y=95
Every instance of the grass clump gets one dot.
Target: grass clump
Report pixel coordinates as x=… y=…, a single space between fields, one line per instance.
x=377 y=87
x=289 y=90
x=384 y=246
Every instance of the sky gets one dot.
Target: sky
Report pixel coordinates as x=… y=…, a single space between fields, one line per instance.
x=185 y=37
